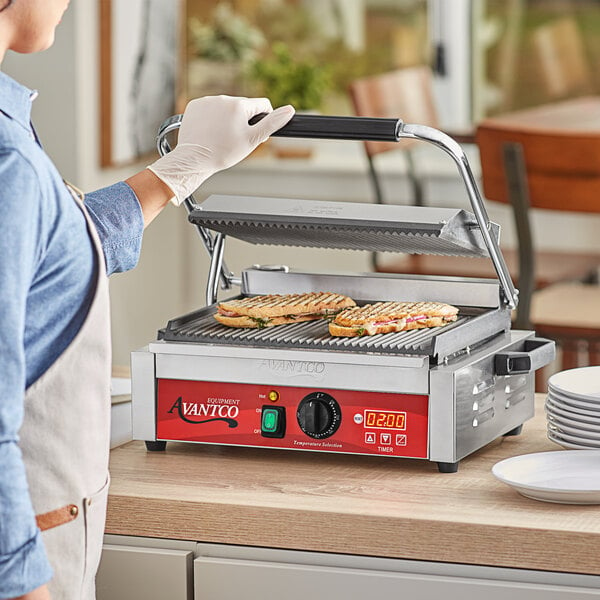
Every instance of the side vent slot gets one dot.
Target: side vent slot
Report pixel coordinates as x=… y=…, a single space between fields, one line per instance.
x=483 y=417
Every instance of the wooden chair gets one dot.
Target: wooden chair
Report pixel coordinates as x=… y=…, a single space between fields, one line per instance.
x=549 y=158
x=563 y=68
x=408 y=94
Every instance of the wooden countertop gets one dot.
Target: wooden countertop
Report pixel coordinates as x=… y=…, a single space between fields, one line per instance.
x=374 y=506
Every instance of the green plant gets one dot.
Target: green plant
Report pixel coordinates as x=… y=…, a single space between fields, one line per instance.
x=228 y=38
x=284 y=80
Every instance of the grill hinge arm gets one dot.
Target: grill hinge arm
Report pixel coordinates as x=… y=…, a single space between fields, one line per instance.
x=227 y=277
x=216 y=266
x=451 y=147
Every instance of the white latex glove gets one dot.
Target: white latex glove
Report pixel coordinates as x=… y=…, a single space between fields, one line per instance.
x=214 y=135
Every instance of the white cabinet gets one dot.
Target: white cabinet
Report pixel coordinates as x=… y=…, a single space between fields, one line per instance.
x=135 y=568
x=148 y=569
x=231 y=573
x=226 y=579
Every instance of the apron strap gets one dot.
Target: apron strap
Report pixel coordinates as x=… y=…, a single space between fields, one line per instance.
x=57 y=517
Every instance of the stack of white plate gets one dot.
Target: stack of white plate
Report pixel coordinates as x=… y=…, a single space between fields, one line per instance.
x=573 y=408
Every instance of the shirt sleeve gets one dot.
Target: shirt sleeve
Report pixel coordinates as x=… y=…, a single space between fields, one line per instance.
x=23 y=562
x=117 y=215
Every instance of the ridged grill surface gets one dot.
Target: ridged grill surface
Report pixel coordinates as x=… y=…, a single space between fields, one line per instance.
x=312 y=335
x=462 y=243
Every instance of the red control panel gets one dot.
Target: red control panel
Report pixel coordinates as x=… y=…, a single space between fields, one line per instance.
x=324 y=420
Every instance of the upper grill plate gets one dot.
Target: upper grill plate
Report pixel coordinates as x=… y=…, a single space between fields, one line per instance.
x=344 y=225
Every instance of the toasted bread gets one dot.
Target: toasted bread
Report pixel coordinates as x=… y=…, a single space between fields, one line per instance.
x=262 y=322
x=280 y=305
x=280 y=309
x=388 y=317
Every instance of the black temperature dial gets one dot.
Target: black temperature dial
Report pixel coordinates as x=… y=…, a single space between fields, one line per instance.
x=319 y=415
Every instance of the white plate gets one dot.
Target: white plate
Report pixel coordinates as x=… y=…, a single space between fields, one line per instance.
x=582 y=383
x=575 y=403
x=594 y=415
x=555 y=417
x=565 y=476
x=570 y=414
x=120 y=386
x=565 y=444
x=593 y=437
x=575 y=439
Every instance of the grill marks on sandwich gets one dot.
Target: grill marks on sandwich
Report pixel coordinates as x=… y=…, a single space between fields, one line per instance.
x=389 y=311
x=388 y=317
x=280 y=309
x=286 y=304
x=346 y=319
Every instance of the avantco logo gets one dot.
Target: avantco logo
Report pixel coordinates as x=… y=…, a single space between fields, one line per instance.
x=214 y=412
x=293 y=367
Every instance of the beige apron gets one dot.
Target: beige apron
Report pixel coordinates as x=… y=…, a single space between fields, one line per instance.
x=65 y=442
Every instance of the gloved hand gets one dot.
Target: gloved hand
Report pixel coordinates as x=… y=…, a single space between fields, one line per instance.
x=214 y=134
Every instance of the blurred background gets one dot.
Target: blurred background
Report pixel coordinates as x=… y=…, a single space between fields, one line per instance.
x=120 y=67
x=490 y=56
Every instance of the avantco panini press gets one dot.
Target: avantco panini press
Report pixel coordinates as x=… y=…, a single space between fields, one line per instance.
x=434 y=394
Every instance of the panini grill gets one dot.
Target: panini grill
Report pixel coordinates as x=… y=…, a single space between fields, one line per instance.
x=436 y=394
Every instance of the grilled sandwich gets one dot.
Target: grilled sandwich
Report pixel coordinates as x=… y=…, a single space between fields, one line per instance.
x=280 y=309
x=388 y=317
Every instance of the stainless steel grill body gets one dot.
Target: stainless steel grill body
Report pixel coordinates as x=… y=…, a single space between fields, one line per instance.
x=470 y=400
x=475 y=376
x=469 y=405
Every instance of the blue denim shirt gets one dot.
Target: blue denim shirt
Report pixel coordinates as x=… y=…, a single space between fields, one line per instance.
x=47 y=274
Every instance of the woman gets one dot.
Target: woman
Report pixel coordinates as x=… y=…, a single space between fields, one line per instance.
x=55 y=251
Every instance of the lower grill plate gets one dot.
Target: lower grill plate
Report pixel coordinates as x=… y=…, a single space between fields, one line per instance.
x=472 y=327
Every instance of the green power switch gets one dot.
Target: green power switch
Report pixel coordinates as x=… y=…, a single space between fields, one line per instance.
x=272 y=421
x=270 y=418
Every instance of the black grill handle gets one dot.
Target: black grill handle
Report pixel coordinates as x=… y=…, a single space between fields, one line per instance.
x=338 y=128
x=536 y=353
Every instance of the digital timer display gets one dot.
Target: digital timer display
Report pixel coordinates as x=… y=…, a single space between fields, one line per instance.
x=385 y=419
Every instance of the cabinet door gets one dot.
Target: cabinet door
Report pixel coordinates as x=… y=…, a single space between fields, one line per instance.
x=138 y=573
x=232 y=579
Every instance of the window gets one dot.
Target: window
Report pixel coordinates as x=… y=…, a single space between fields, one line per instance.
x=489 y=56
x=494 y=56
x=303 y=52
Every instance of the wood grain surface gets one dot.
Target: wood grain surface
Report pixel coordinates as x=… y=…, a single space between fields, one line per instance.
x=561 y=147
x=373 y=506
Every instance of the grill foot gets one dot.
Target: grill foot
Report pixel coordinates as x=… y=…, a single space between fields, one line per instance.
x=447 y=467
x=515 y=431
x=156 y=446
